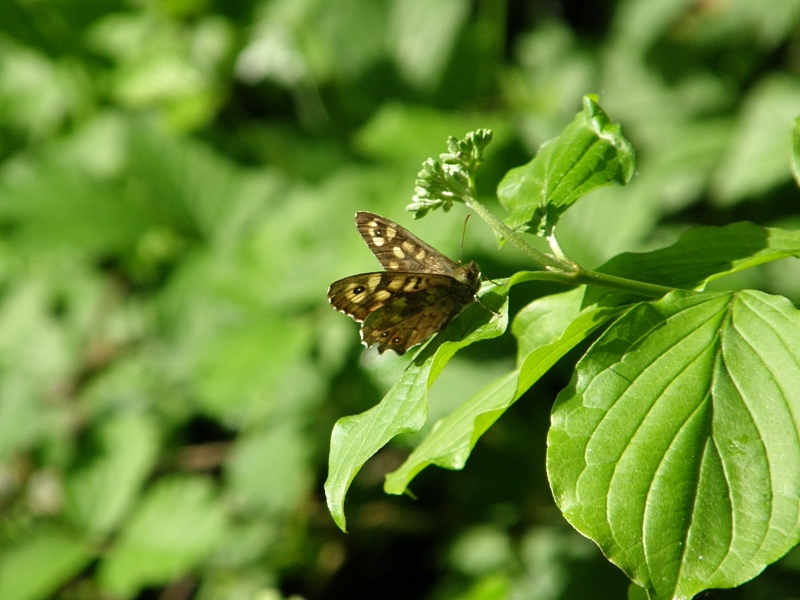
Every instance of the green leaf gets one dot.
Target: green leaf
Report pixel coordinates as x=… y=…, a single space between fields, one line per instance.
x=636 y=593
x=269 y=471
x=703 y=254
x=55 y=206
x=796 y=150
x=546 y=329
x=99 y=495
x=404 y=409
x=36 y=567
x=757 y=157
x=590 y=153
x=402 y=133
x=422 y=36
x=676 y=446
x=178 y=523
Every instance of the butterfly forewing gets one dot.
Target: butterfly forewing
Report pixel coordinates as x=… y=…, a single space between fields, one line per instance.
x=418 y=295
x=397 y=249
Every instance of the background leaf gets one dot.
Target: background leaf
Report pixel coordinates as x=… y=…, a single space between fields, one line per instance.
x=177 y=524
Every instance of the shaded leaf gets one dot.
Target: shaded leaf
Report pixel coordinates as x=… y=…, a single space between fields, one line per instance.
x=269 y=471
x=99 y=495
x=757 y=157
x=177 y=524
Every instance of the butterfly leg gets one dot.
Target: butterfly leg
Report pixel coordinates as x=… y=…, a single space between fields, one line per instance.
x=478 y=300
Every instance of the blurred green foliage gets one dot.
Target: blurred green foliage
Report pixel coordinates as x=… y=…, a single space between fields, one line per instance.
x=177 y=184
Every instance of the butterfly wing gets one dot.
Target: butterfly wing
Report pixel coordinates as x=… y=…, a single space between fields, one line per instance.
x=399 y=250
x=408 y=321
x=399 y=310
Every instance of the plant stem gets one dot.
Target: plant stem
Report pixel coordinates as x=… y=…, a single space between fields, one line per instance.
x=585 y=276
x=562 y=268
x=543 y=259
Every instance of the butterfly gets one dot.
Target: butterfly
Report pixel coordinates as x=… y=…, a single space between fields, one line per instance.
x=417 y=295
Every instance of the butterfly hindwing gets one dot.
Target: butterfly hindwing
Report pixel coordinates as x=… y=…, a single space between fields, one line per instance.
x=409 y=320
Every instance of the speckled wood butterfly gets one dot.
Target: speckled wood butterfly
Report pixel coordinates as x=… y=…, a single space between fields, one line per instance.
x=418 y=294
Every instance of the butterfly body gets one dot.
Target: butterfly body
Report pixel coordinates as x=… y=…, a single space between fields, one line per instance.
x=418 y=295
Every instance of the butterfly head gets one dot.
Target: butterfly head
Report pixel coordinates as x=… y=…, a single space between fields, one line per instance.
x=469 y=274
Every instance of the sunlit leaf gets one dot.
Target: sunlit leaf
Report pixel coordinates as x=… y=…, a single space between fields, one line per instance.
x=423 y=33
x=703 y=254
x=590 y=153
x=676 y=447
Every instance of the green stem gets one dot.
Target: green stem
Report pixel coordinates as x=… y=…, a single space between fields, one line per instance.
x=543 y=259
x=563 y=269
x=585 y=276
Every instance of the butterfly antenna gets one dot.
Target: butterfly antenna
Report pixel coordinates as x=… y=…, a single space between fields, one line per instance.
x=463 y=235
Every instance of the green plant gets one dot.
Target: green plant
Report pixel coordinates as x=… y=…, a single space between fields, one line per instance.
x=676 y=445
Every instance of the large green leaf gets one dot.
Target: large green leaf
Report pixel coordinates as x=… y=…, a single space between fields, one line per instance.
x=703 y=254
x=590 y=153
x=676 y=445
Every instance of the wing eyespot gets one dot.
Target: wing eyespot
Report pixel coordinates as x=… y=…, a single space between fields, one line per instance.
x=359 y=289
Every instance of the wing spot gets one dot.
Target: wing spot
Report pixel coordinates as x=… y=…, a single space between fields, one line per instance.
x=393 y=265
x=411 y=285
x=396 y=340
x=385 y=334
x=378 y=241
x=420 y=255
x=395 y=284
x=390 y=233
x=398 y=252
x=373 y=282
x=372 y=224
x=408 y=247
x=382 y=295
